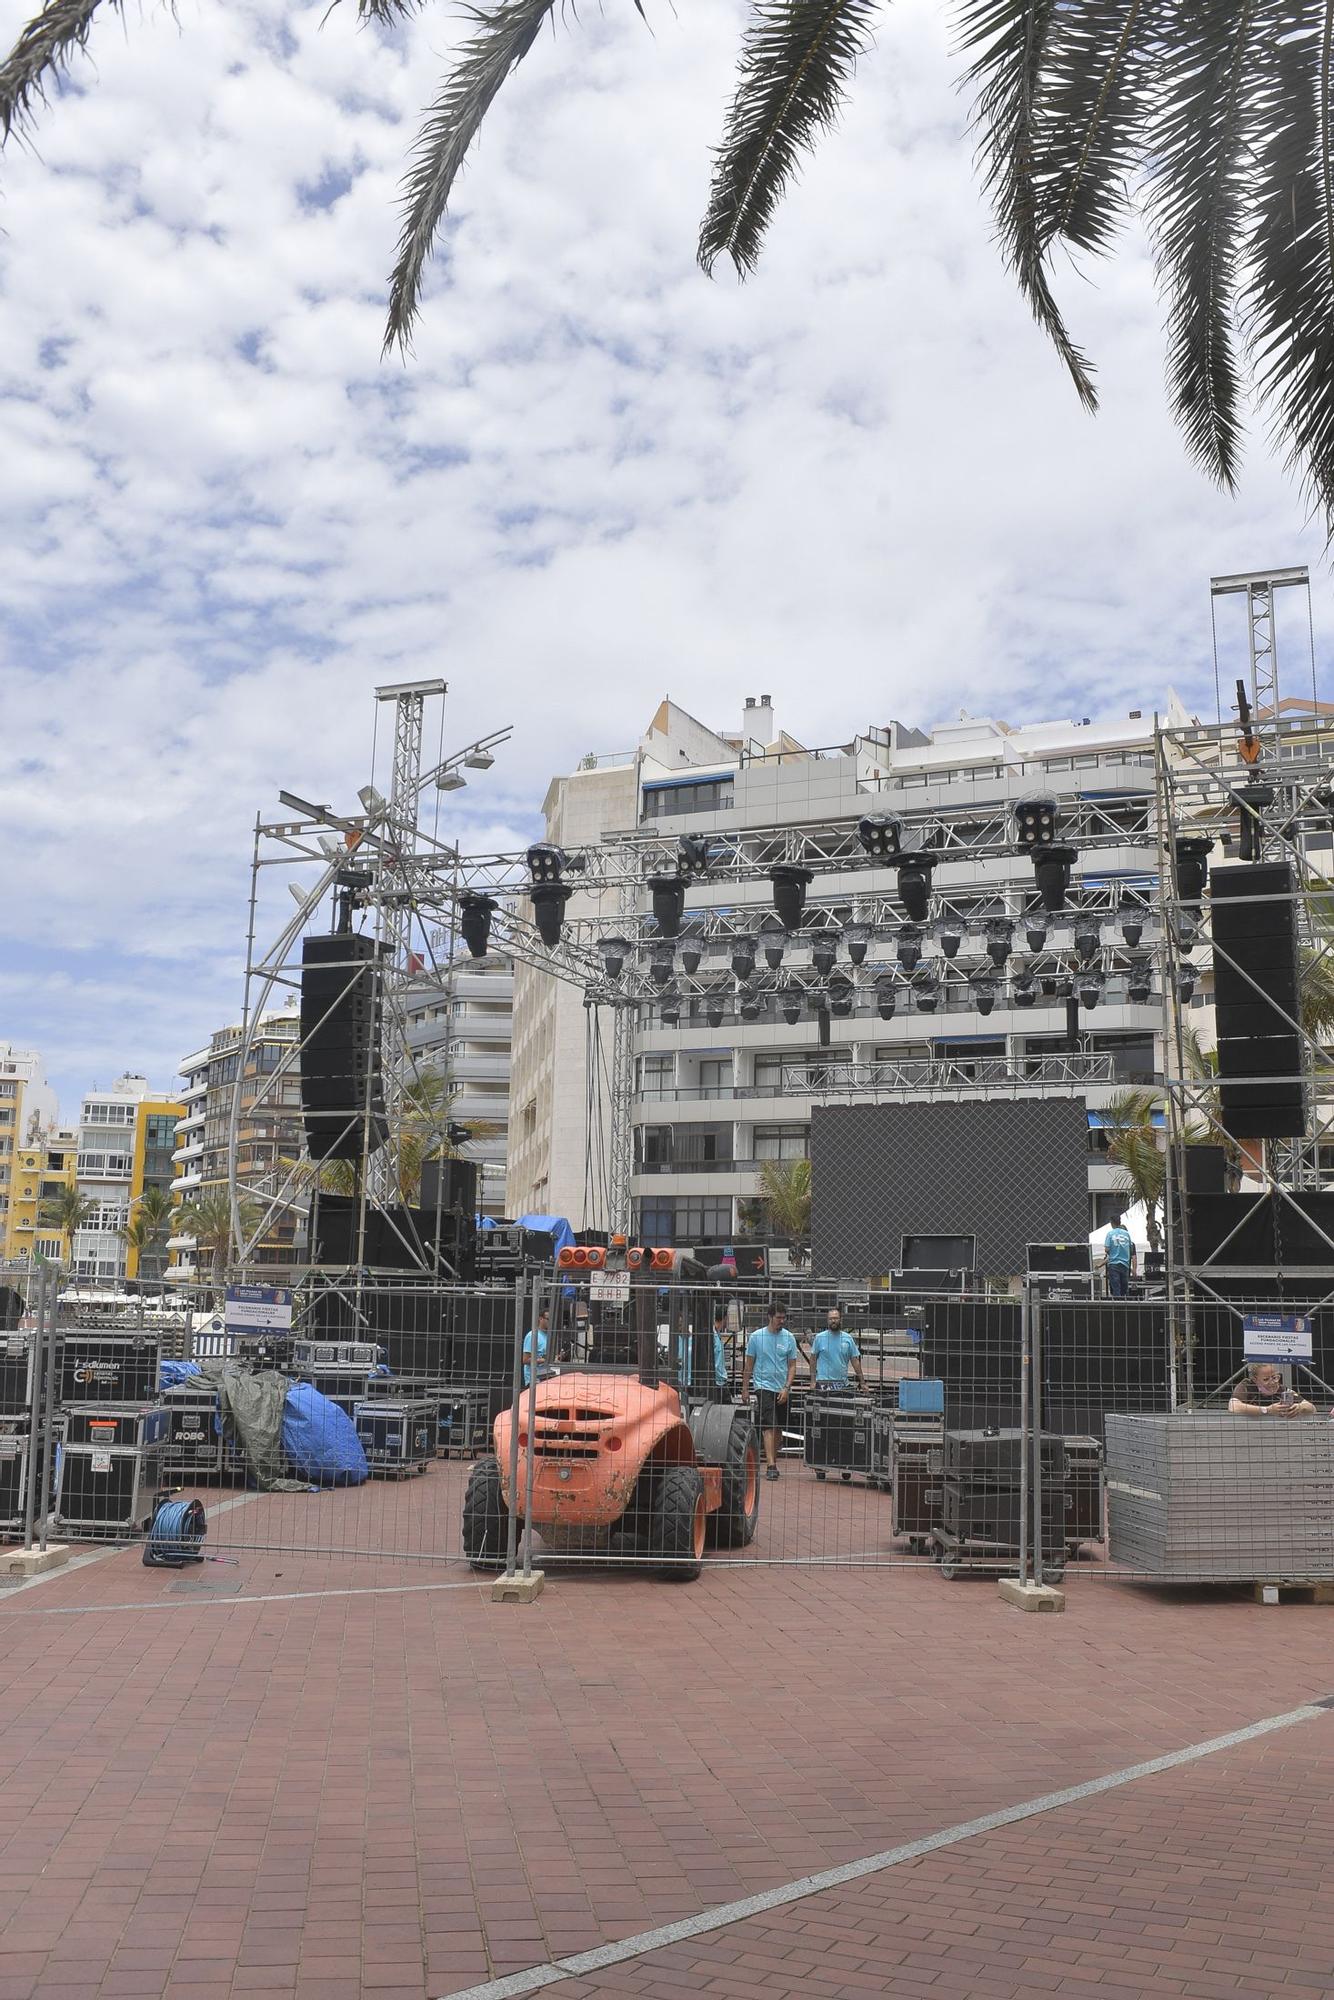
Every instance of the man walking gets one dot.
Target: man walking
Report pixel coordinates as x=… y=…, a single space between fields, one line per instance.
x=771 y=1364
x=1118 y=1251
x=834 y=1352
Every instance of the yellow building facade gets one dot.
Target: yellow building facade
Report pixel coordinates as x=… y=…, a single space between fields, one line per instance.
x=152 y=1167
x=36 y=1174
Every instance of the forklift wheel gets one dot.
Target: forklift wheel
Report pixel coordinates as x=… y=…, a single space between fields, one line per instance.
x=846 y=1477
x=678 y=1522
x=733 y=1525
x=819 y=1475
x=485 y=1517
x=949 y=1571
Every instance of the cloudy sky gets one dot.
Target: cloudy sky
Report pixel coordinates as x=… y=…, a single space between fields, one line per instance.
x=860 y=481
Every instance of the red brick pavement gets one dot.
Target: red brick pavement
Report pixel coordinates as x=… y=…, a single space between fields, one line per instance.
x=399 y=1794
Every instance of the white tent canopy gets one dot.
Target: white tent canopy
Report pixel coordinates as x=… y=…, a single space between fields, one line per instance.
x=1136 y=1221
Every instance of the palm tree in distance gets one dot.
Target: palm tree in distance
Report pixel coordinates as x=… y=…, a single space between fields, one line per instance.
x=147 y=1228
x=207 y=1217
x=1211 y=121
x=1132 y=1145
x=67 y=1213
x=785 y=1201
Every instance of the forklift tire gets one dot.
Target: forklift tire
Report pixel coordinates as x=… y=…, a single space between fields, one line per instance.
x=677 y=1526
x=485 y=1517
x=734 y=1524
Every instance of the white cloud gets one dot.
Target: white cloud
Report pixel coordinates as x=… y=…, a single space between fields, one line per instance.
x=859 y=481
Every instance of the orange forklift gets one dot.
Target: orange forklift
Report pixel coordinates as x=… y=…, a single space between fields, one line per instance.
x=630 y=1455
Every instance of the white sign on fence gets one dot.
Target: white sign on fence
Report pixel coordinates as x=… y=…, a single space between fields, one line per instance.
x=258 y=1309
x=1280 y=1337
x=612 y=1287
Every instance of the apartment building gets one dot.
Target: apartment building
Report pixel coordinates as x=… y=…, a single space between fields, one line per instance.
x=461 y=1026
x=108 y=1123
x=39 y=1174
x=27 y=1112
x=712 y=1104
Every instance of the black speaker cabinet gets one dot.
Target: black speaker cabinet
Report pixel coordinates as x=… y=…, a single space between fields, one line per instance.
x=1255 y=998
x=450 y=1185
x=340 y=1046
x=1206 y=1170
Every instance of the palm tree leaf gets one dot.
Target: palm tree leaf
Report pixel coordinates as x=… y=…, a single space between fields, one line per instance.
x=1292 y=317
x=505 y=31
x=40 y=52
x=1094 y=83
x=1211 y=102
x=1013 y=39
x=796 y=63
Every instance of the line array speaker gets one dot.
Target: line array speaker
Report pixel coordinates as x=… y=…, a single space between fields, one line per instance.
x=1256 y=998
x=340 y=1046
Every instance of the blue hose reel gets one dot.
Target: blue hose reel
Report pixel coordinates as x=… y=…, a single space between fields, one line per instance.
x=176 y=1536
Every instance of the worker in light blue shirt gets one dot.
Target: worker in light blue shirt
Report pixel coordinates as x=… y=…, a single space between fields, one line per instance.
x=1118 y=1250
x=834 y=1351
x=542 y=1338
x=771 y=1364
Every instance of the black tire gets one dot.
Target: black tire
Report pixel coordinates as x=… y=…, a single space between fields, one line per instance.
x=734 y=1524
x=485 y=1517
x=819 y=1475
x=677 y=1526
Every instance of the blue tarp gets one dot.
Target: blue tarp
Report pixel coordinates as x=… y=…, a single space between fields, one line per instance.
x=557 y=1225
x=172 y=1372
x=320 y=1441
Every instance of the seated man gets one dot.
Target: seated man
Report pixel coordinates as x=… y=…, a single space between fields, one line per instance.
x=1261 y=1393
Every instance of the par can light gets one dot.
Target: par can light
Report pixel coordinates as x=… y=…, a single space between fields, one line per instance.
x=879 y=834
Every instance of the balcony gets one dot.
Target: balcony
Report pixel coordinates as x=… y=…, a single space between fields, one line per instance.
x=480 y=1069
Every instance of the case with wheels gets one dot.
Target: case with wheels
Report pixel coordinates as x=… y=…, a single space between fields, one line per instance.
x=838 y=1437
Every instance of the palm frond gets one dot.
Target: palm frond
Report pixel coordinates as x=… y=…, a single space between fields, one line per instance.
x=40 y=52
x=1209 y=108
x=796 y=63
x=1292 y=318
x=1012 y=38
x=1093 y=91
x=505 y=31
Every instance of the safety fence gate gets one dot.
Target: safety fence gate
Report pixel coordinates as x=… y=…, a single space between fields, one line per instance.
x=643 y=1421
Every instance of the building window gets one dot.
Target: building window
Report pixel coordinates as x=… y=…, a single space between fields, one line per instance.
x=782 y=1142
x=715 y=1076
x=666 y=801
x=656 y=1077
x=684 y=1220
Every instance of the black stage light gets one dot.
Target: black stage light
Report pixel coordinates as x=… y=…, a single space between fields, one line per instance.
x=1024 y=990
x=546 y=863
x=914 y=872
x=1088 y=986
x=1132 y=921
x=457 y=1135
x=842 y=993
x=691 y=953
x=1051 y=866
x=1139 y=985
x=910 y=947
x=950 y=931
x=1035 y=931
x=790 y=884
x=669 y=902
x=1035 y=822
x=693 y=854
x=926 y=994
x=1192 y=855
x=790 y=1002
x=879 y=834
x=886 y=997
x=1000 y=932
x=1186 y=984
x=713 y=1012
x=772 y=938
x=660 y=964
x=1088 y=938
x=984 y=992
x=856 y=937
x=743 y=956
x=750 y=1006
x=824 y=950
x=1251 y=802
x=1188 y=929
x=475 y=914
x=614 y=952
x=670 y=1007
x=548 y=900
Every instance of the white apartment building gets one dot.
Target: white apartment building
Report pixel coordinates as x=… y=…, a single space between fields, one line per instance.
x=710 y=1104
x=461 y=1026
x=105 y=1172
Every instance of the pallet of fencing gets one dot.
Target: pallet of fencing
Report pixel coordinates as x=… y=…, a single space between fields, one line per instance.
x=1201 y=1497
x=111 y=1469
x=397 y=1434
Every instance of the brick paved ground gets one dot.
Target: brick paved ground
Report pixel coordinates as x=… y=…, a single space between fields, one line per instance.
x=403 y=1791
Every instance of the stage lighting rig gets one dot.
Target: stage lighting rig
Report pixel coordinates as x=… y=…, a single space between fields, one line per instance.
x=660 y=964
x=1132 y=921
x=750 y=1005
x=925 y=992
x=790 y=1002
x=1051 y=867
x=475 y=914
x=1036 y=821
x=984 y=992
x=914 y=873
x=1251 y=801
x=950 y=933
x=824 y=950
x=693 y=855
x=1192 y=859
x=1000 y=934
x=1088 y=938
x=842 y=994
x=668 y=893
x=1035 y=931
x=1024 y=990
x=547 y=893
x=1186 y=985
x=790 y=884
x=670 y=1008
x=1139 y=985
x=691 y=953
x=886 y=996
x=1088 y=985
x=856 y=938
x=613 y=952
x=880 y=835
x=743 y=956
x=909 y=947
x=713 y=1011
